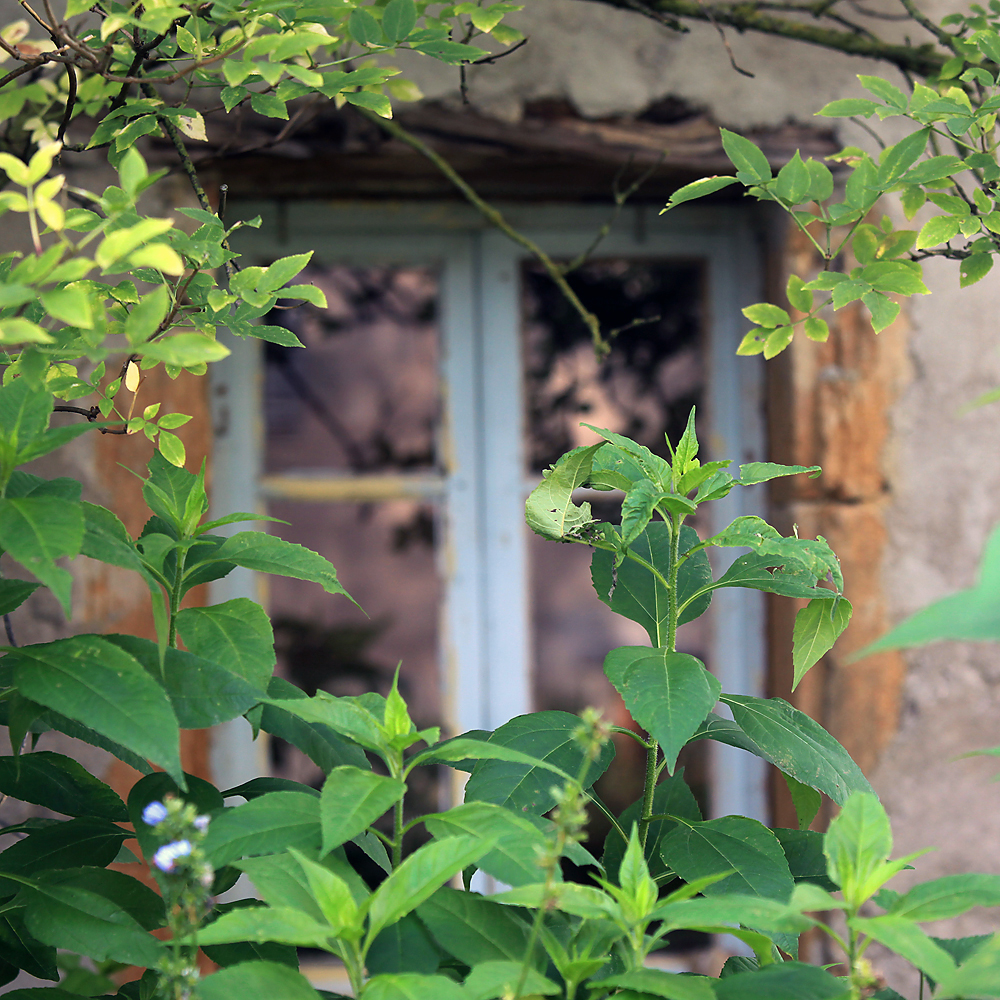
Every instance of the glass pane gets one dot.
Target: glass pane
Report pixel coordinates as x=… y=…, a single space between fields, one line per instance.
x=364 y=396
x=645 y=389
x=385 y=558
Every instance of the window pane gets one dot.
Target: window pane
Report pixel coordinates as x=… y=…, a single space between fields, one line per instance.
x=645 y=388
x=364 y=397
x=385 y=558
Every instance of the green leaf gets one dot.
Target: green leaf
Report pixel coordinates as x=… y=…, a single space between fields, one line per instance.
x=326 y=748
x=696 y=850
x=185 y=350
x=817 y=627
x=672 y=797
x=237 y=952
x=698 y=189
x=154 y=787
x=669 y=695
x=265 y=553
x=783 y=981
x=938 y=229
x=405 y=946
x=817 y=329
x=473 y=928
x=549 y=510
x=352 y=799
x=13 y=593
x=343 y=715
x=947 y=897
x=805 y=799
x=889 y=93
x=765 y=314
x=363 y=28
x=514 y=859
x=798 y=746
x=766 y=573
x=763 y=472
x=89 y=679
x=654 y=982
x=804 y=853
x=977 y=974
x=751 y=164
x=202 y=693
x=84 y=922
x=23 y=951
x=105 y=538
x=269 y=105
x=419 y=876
x=61 y=846
x=905 y=938
x=256 y=981
x=974 y=268
x=399 y=17
x=266 y=825
x=136 y=899
x=897 y=159
x=38 y=530
x=849 y=108
x=61 y=784
x=280 y=924
x=545 y=737
x=793 y=182
x=412 y=986
x=857 y=844
x=798 y=297
x=236 y=634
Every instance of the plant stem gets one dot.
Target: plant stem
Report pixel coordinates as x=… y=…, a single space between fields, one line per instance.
x=648 y=790
x=175 y=597
x=397 y=835
x=673 y=612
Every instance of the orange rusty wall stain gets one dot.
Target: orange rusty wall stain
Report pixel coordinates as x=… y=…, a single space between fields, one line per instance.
x=112 y=599
x=830 y=405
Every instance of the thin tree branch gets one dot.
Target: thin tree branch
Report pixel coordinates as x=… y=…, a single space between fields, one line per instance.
x=70 y=102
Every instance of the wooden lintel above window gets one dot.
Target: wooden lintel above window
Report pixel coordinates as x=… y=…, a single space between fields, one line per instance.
x=551 y=154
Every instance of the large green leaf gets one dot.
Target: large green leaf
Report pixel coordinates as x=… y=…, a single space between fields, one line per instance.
x=767 y=573
x=783 y=981
x=514 y=859
x=405 y=946
x=653 y=982
x=857 y=844
x=977 y=975
x=134 y=897
x=804 y=853
x=669 y=695
x=256 y=981
x=549 y=510
x=266 y=553
x=83 y=921
x=906 y=939
x=797 y=745
x=545 y=736
x=949 y=896
x=346 y=716
x=203 y=693
x=105 y=538
x=473 y=928
x=281 y=881
x=696 y=850
x=38 y=530
x=78 y=731
x=90 y=679
x=817 y=627
x=236 y=634
x=326 y=748
x=258 y=924
x=61 y=784
x=237 y=952
x=23 y=951
x=351 y=800
x=203 y=795
x=672 y=797
x=630 y=460
x=174 y=494
x=25 y=409
x=411 y=985
x=491 y=980
x=419 y=876
x=271 y=823
x=62 y=845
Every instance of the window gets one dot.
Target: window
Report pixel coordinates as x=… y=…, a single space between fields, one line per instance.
x=442 y=378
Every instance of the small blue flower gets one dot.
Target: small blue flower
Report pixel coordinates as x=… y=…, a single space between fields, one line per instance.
x=155 y=812
x=166 y=857
x=201 y=823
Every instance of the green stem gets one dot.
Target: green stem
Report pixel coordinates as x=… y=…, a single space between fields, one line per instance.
x=609 y=815
x=648 y=790
x=176 y=594
x=397 y=834
x=673 y=612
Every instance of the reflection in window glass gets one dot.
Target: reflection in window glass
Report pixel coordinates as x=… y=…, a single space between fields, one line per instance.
x=645 y=389
x=364 y=396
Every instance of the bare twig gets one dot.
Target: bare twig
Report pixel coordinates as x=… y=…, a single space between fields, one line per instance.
x=725 y=41
x=70 y=102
